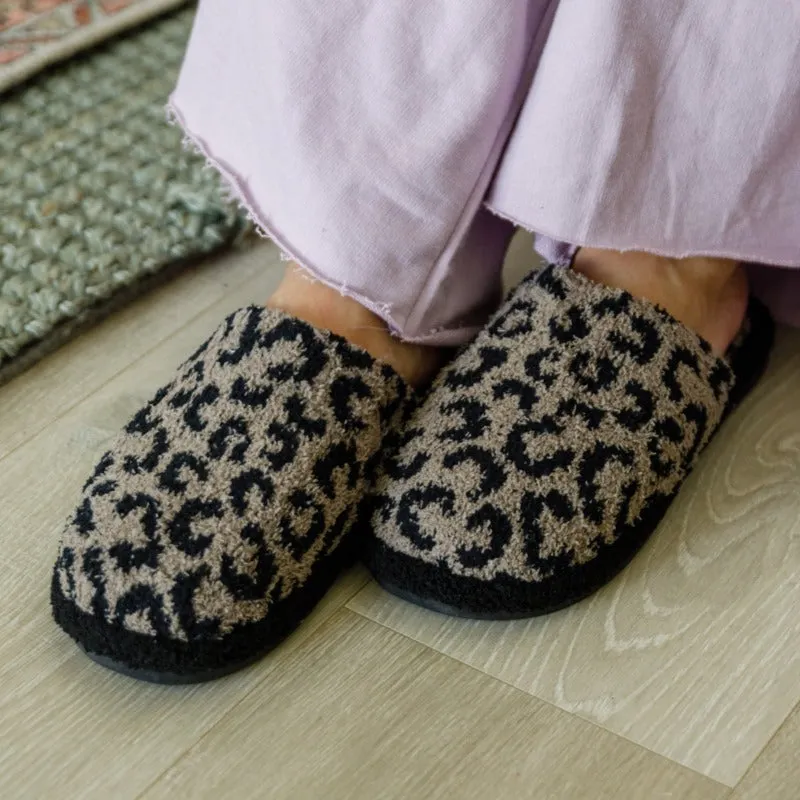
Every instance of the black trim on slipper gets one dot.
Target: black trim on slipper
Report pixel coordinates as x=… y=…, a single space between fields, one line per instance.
x=505 y=598
x=159 y=659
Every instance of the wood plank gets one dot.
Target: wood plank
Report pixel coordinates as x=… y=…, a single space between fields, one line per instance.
x=62 y=379
x=361 y=712
x=74 y=729
x=692 y=652
x=775 y=774
x=71 y=728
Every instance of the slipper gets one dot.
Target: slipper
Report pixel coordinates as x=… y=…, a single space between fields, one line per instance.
x=547 y=452
x=225 y=509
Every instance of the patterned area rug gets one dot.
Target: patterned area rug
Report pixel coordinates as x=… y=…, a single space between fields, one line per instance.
x=35 y=33
x=97 y=196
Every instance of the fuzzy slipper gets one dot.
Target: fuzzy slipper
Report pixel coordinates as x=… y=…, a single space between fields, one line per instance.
x=547 y=453
x=225 y=509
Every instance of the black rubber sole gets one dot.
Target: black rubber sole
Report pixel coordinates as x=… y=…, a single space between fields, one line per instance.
x=505 y=598
x=434 y=587
x=172 y=678
x=454 y=611
x=167 y=661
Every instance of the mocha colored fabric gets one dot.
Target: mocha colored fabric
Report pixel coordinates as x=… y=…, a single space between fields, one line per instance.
x=230 y=492
x=565 y=427
x=370 y=138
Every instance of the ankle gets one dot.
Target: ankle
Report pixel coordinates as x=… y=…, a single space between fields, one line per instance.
x=709 y=295
x=324 y=307
x=301 y=296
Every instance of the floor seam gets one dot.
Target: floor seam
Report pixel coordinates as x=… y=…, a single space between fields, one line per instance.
x=769 y=741
x=547 y=702
x=311 y=637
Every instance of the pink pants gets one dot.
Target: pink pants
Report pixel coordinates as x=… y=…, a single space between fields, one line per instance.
x=388 y=146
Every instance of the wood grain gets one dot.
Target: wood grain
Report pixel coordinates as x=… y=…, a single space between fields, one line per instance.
x=361 y=712
x=692 y=652
x=72 y=729
x=73 y=372
x=775 y=774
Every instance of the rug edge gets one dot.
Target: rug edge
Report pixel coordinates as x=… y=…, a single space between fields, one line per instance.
x=83 y=39
x=70 y=329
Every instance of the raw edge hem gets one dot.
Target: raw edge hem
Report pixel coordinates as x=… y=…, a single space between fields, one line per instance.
x=438 y=337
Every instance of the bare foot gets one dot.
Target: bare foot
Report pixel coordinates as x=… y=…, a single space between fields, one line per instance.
x=708 y=295
x=323 y=307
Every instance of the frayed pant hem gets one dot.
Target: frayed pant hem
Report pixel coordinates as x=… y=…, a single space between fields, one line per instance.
x=443 y=337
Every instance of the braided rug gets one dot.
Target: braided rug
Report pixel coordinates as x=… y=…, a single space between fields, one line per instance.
x=97 y=196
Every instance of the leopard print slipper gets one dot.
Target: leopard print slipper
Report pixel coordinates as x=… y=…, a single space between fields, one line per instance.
x=547 y=453
x=225 y=509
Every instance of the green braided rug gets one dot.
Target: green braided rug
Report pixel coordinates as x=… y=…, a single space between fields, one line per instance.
x=97 y=196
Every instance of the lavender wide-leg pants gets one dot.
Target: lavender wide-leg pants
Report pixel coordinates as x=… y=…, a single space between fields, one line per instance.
x=389 y=146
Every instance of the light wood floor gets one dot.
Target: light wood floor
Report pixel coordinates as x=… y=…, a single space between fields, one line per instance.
x=681 y=679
